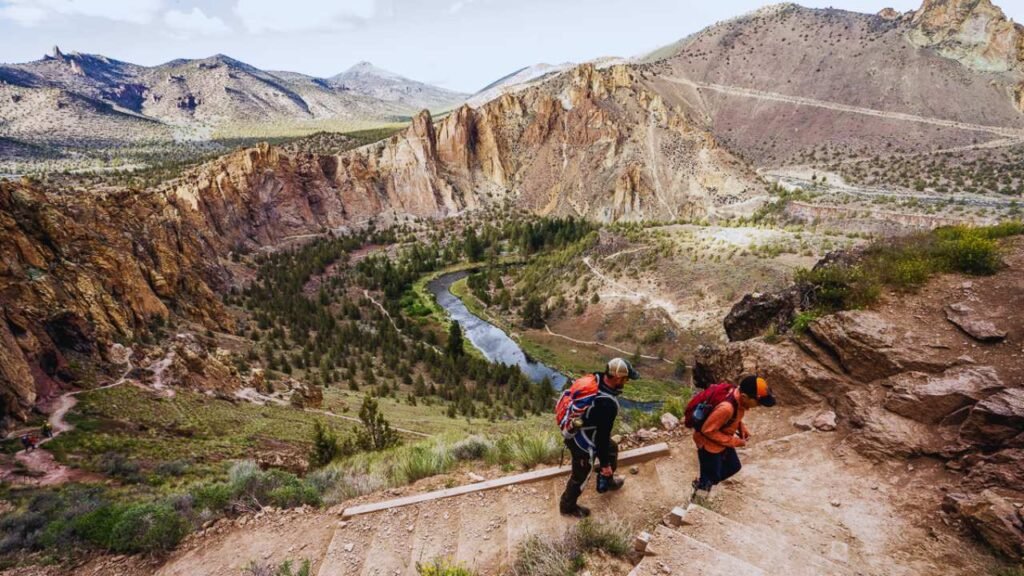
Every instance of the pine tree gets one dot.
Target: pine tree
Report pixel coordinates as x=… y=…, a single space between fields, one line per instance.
x=455 y=346
x=325 y=446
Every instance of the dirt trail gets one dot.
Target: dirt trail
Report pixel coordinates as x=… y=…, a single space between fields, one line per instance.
x=815 y=502
x=615 y=290
x=802 y=101
x=40 y=467
x=602 y=344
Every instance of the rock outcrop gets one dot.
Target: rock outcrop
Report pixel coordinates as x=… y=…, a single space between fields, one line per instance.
x=901 y=386
x=973 y=32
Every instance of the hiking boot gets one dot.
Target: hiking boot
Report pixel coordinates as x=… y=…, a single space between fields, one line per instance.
x=575 y=510
x=615 y=482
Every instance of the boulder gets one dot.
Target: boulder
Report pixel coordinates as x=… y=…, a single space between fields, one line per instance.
x=307 y=396
x=998 y=522
x=758 y=312
x=881 y=434
x=869 y=347
x=794 y=378
x=934 y=398
x=973 y=324
x=669 y=421
x=1003 y=469
x=826 y=421
x=995 y=420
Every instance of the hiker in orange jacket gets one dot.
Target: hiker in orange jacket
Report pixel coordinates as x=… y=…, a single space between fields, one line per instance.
x=723 y=432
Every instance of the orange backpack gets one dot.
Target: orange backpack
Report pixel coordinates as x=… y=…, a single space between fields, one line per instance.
x=575 y=402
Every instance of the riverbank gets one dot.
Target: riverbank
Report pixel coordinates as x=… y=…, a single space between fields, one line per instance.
x=568 y=358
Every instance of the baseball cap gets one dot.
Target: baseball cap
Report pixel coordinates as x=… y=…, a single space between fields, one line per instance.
x=620 y=367
x=757 y=387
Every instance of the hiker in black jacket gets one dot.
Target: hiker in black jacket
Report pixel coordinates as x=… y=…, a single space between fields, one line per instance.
x=592 y=438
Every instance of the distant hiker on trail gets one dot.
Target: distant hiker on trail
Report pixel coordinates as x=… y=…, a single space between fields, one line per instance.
x=586 y=412
x=28 y=442
x=47 y=430
x=716 y=415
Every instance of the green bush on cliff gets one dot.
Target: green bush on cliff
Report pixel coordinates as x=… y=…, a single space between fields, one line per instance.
x=907 y=263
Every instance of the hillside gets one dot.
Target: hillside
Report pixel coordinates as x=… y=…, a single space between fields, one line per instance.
x=812 y=74
x=197 y=99
x=365 y=78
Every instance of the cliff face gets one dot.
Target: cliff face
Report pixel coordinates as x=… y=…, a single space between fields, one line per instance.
x=82 y=271
x=594 y=143
x=973 y=32
x=79 y=272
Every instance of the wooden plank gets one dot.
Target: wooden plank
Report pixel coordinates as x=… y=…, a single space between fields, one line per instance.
x=629 y=456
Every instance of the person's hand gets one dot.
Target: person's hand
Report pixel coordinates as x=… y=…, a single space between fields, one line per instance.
x=606 y=471
x=744 y=434
x=740 y=443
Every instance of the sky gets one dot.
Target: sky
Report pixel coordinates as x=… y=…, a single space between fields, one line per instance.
x=458 y=44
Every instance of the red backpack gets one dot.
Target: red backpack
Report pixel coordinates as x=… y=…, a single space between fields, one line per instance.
x=575 y=401
x=701 y=405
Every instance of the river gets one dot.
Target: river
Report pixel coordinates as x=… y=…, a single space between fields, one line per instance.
x=496 y=345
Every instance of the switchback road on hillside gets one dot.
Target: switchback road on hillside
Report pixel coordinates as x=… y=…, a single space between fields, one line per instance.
x=802 y=101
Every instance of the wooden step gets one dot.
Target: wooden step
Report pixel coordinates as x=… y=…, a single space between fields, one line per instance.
x=675 y=553
x=760 y=546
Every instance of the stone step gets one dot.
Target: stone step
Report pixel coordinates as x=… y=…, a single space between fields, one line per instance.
x=758 y=545
x=641 y=497
x=348 y=548
x=822 y=534
x=675 y=553
x=390 y=551
x=532 y=511
x=433 y=538
x=482 y=537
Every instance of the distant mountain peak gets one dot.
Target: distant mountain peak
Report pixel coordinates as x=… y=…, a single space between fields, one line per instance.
x=365 y=68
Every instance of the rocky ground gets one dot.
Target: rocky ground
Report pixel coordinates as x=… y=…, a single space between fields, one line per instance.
x=933 y=376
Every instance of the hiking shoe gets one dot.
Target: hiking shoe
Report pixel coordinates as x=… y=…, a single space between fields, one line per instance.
x=616 y=482
x=576 y=511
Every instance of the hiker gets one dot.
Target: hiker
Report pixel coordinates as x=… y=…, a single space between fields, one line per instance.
x=29 y=442
x=47 y=430
x=716 y=415
x=586 y=412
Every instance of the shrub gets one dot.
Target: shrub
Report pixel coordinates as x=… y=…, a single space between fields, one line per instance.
x=148 y=528
x=420 y=461
x=968 y=251
x=841 y=287
x=440 y=567
x=118 y=465
x=525 y=449
x=471 y=448
x=803 y=320
x=214 y=497
x=282 y=569
x=676 y=406
x=611 y=537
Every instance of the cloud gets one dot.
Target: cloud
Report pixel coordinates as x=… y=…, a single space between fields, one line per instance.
x=33 y=12
x=195 y=22
x=298 y=15
x=459 y=5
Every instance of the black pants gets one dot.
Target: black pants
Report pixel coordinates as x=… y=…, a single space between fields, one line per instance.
x=716 y=467
x=581 y=467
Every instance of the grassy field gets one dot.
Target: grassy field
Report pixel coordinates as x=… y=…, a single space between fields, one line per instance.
x=429 y=419
x=190 y=427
